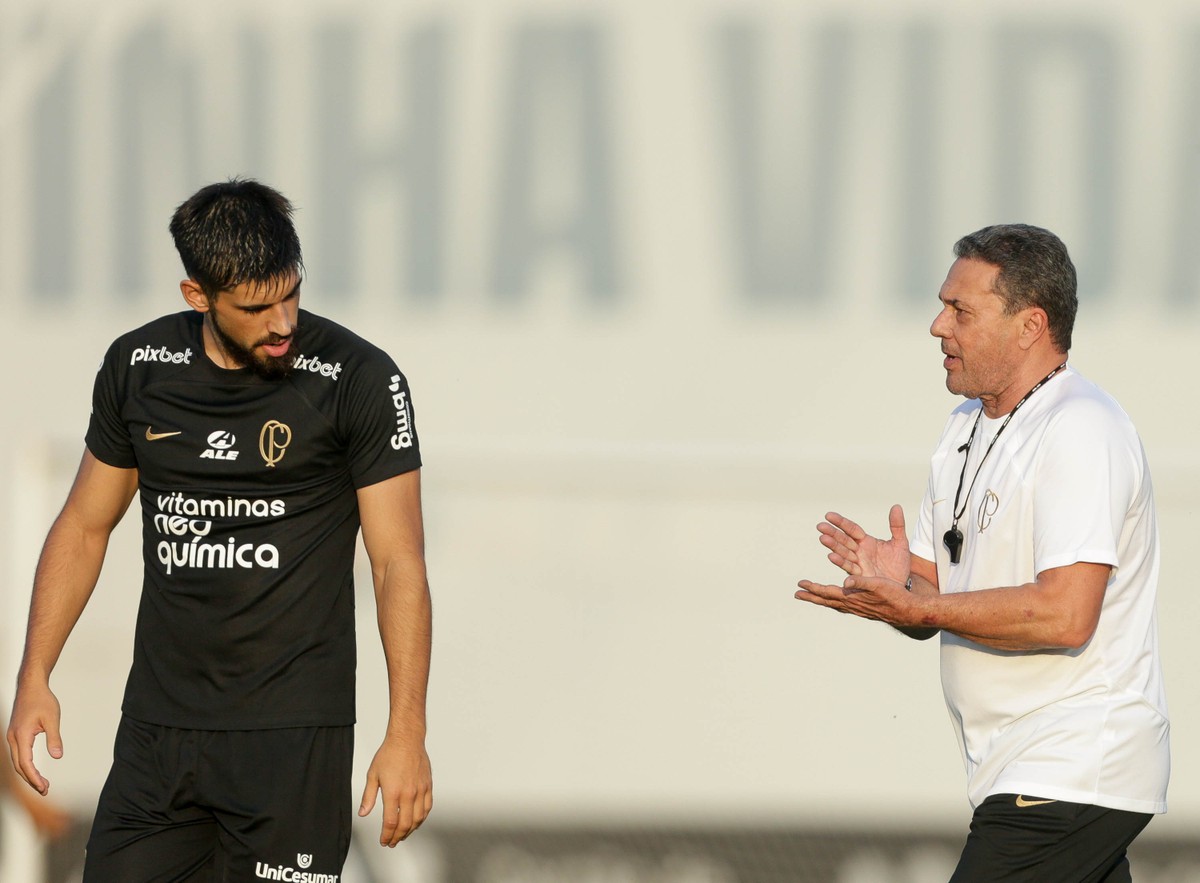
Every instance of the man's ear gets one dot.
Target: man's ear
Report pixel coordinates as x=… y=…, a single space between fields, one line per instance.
x=194 y=295
x=1034 y=325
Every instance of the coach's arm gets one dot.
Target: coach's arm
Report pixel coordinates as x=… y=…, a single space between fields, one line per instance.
x=922 y=581
x=1057 y=611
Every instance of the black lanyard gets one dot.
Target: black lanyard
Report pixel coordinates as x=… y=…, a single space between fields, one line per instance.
x=953 y=538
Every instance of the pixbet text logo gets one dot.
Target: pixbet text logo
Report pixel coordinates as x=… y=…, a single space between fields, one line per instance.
x=161 y=354
x=314 y=365
x=403 y=437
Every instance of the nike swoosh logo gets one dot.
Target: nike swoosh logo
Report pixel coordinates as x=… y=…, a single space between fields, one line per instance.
x=1021 y=801
x=155 y=436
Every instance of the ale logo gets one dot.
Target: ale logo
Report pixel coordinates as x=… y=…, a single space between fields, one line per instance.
x=303 y=860
x=273 y=441
x=220 y=446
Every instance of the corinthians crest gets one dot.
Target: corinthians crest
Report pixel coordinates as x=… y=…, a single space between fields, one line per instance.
x=273 y=440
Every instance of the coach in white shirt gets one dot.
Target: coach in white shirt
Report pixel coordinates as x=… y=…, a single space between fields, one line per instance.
x=1036 y=557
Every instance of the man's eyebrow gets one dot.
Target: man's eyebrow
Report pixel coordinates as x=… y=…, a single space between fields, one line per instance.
x=295 y=289
x=259 y=307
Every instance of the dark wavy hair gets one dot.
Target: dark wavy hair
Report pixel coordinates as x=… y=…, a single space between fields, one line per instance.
x=1035 y=271
x=236 y=231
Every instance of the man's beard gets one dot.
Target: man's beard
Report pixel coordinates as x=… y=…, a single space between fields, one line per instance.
x=264 y=365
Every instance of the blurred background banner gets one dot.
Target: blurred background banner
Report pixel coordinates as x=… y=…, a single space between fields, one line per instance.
x=661 y=276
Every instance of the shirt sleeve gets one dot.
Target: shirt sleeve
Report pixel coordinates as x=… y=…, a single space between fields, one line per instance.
x=380 y=424
x=921 y=542
x=1088 y=474
x=107 y=435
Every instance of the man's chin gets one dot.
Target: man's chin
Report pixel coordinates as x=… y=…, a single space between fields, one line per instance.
x=956 y=386
x=271 y=367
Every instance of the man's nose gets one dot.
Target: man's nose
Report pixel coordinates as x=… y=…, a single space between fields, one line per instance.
x=279 y=322
x=940 y=327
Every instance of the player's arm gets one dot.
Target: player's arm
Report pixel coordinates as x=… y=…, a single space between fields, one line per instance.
x=395 y=541
x=66 y=575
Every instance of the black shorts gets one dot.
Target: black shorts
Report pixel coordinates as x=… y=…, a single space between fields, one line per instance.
x=1019 y=838
x=215 y=805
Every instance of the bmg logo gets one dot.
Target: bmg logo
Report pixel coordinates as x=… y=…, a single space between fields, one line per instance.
x=403 y=437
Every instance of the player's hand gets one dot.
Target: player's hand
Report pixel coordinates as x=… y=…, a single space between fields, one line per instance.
x=35 y=711
x=400 y=771
x=857 y=553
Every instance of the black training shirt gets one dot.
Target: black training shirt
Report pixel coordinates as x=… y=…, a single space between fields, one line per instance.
x=249 y=518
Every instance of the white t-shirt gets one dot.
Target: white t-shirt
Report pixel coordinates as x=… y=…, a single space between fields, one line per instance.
x=1067 y=481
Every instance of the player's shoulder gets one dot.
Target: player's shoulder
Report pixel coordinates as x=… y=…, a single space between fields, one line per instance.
x=330 y=351
x=165 y=344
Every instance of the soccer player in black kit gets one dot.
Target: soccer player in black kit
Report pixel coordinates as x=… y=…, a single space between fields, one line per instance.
x=259 y=437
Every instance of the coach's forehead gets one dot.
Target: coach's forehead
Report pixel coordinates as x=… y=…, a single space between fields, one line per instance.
x=969 y=279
